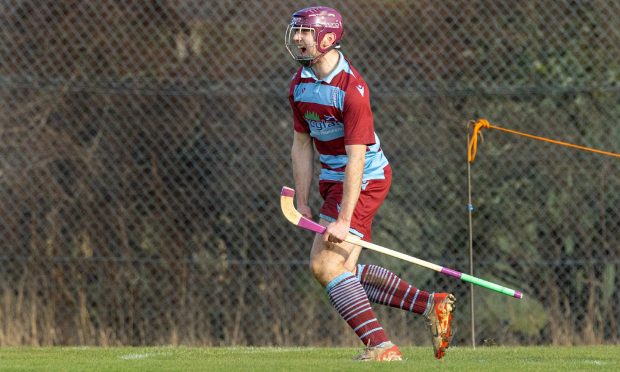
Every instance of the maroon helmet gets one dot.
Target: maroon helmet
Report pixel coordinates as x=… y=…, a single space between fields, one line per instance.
x=319 y=21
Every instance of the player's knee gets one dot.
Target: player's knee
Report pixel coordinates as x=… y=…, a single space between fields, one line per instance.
x=324 y=266
x=317 y=267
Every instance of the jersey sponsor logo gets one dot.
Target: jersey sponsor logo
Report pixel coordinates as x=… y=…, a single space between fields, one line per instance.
x=316 y=123
x=325 y=129
x=311 y=116
x=360 y=88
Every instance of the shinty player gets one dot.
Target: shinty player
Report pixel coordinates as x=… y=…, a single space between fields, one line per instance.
x=331 y=109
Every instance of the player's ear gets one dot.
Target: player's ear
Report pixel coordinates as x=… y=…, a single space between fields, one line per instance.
x=328 y=40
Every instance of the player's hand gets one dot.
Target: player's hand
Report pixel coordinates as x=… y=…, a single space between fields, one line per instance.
x=336 y=232
x=305 y=211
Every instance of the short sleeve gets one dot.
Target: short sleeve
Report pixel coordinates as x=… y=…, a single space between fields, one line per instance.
x=357 y=115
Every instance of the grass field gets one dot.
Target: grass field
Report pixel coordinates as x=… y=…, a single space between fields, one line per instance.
x=588 y=358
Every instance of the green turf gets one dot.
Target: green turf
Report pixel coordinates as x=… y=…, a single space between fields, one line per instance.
x=587 y=358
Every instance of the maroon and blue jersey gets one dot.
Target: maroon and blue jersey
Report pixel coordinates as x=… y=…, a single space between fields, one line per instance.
x=336 y=112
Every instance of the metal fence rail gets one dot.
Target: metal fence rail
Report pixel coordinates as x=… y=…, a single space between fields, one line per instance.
x=143 y=145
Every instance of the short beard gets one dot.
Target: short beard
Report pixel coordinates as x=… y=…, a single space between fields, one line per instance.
x=306 y=62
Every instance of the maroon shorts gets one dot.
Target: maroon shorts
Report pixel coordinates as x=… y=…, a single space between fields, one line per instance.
x=371 y=197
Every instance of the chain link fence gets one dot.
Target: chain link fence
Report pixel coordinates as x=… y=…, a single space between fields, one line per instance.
x=143 y=145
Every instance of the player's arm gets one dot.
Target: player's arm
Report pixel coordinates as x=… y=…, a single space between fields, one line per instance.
x=359 y=133
x=302 y=158
x=337 y=231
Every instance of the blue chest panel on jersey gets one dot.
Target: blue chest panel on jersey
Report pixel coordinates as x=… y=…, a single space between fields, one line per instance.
x=321 y=94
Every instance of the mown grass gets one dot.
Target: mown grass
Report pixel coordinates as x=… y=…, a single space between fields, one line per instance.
x=582 y=358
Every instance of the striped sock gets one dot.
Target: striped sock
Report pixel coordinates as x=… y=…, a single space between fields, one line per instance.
x=348 y=297
x=386 y=288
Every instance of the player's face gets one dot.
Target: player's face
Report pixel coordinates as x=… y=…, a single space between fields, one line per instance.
x=301 y=43
x=304 y=40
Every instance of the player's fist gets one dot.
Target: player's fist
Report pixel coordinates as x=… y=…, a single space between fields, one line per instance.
x=336 y=232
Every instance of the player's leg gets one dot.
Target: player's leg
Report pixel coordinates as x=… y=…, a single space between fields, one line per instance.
x=351 y=263
x=329 y=265
x=347 y=295
x=386 y=288
x=383 y=286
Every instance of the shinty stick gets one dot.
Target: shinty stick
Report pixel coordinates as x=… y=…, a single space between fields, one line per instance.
x=291 y=214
